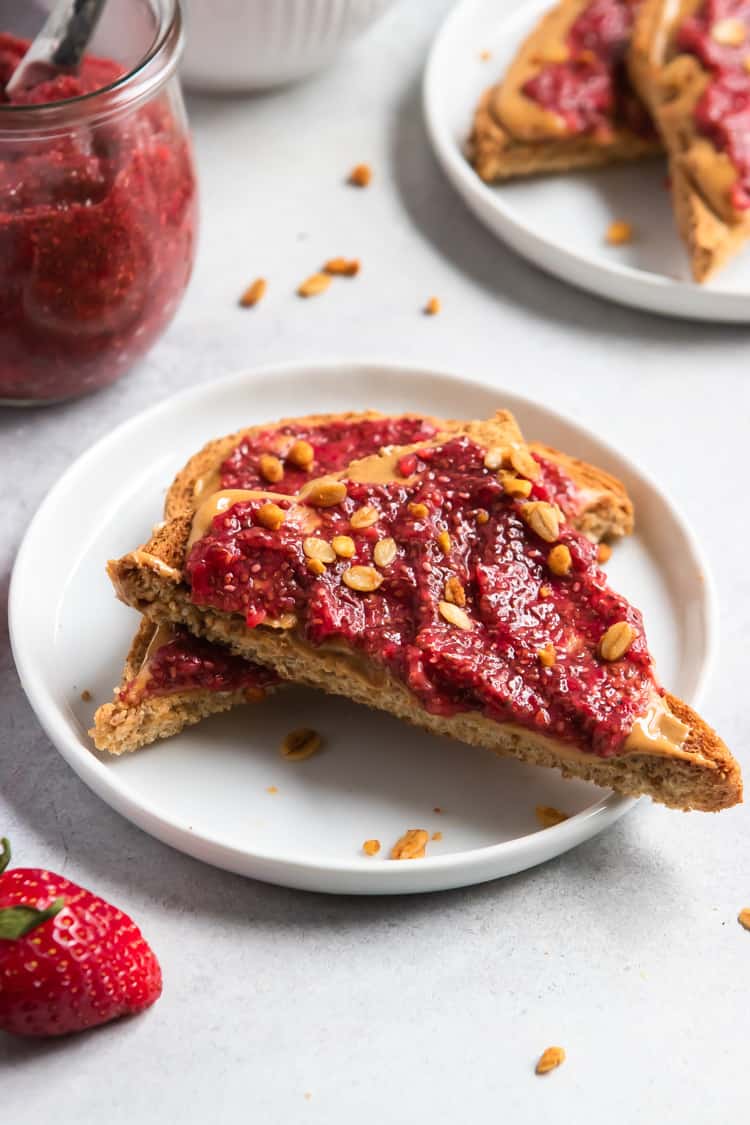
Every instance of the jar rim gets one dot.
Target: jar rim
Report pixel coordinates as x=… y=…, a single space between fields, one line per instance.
x=156 y=65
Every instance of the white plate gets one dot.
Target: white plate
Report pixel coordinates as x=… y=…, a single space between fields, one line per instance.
x=558 y=222
x=205 y=791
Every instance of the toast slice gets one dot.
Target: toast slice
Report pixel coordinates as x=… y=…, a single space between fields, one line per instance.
x=146 y=708
x=690 y=68
x=566 y=101
x=172 y=680
x=440 y=582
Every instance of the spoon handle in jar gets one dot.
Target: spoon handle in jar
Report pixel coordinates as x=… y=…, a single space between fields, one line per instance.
x=60 y=45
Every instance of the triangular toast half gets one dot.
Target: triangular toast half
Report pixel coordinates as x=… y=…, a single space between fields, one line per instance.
x=565 y=101
x=469 y=607
x=691 y=70
x=171 y=679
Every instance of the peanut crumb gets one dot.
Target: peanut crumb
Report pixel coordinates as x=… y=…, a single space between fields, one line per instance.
x=254 y=293
x=342 y=267
x=547 y=656
x=437 y=809
x=619 y=233
x=545 y=591
x=603 y=553
x=371 y=847
x=272 y=789
x=432 y=308
x=485 y=56
x=744 y=917
x=548 y=816
x=411 y=845
x=85 y=696
x=300 y=744
x=360 y=175
x=550 y=1060
x=437 y=835
x=314 y=285
x=482 y=516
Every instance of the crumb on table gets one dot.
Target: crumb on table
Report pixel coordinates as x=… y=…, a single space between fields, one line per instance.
x=360 y=175
x=550 y=1060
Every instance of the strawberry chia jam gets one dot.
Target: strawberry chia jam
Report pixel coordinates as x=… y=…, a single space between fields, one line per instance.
x=97 y=222
x=188 y=664
x=516 y=607
x=590 y=90
x=722 y=113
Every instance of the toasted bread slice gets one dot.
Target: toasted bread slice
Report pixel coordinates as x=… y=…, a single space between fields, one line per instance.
x=467 y=672
x=672 y=82
x=141 y=713
x=518 y=131
x=594 y=500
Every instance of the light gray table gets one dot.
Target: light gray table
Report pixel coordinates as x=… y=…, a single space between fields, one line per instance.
x=433 y=1009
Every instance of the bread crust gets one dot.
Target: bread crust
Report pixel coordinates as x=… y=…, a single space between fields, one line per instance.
x=123 y=726
x=670 y=85
x=513 y=136
x=150 y=580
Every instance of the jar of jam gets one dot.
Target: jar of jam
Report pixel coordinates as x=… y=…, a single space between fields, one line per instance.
x=98 y=204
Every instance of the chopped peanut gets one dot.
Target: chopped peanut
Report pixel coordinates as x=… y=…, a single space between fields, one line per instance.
x=443 y=541
x=314 y=285
x=616 y=641
x=316 y=548
x=323 y=493
x=524 y=463
x=548 y=656
x=342 y=267
x=454 y=591
x=371 y=847
x=513 y=485
x=559 y=560
x=411 y=845
x=551 y=1058
x=542 y=518
x=360 y=175
x=365 y=516
x=603 y=553
x=437 y=835
x=364 y=579
x=270 y=516
x=385 y=552
x=432 y=308
x=482 y=516
x=301 y=454
x=419 y=511
x=744 y=917
x=270 y=468
x=316 y=567
x=300 y=744
x=344 y=546
x=548 y=816
x=454 y=615
x=254 y=293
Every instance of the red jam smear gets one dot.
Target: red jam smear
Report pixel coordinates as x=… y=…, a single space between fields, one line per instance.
x=723 y=111
x=339 y=442
x=190 y=664
x=97 y=232
x=591 y=91
x=516 y=604
x=334 y=443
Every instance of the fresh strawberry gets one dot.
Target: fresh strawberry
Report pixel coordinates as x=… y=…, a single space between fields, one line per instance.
x=68 y=960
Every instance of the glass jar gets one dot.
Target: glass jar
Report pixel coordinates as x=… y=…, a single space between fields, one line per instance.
x=98 y=204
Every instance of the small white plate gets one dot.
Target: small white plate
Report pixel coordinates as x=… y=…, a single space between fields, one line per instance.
x=205 y=792
x=559 y=221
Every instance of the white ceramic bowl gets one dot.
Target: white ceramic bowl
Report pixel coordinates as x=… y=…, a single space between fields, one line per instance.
x=235 y=45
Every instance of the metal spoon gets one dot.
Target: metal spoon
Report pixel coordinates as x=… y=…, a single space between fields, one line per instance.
x=60 y=45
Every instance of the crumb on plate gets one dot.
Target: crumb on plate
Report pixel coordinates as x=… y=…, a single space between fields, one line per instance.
x=411 y=845
x=86 y=696
x=314 y=285
x=619 y=233
x=342 y=267
x=371 y=847
x=432 y=308
x=548 y=816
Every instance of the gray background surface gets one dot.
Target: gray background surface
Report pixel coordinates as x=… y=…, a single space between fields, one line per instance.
x=625 y=951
